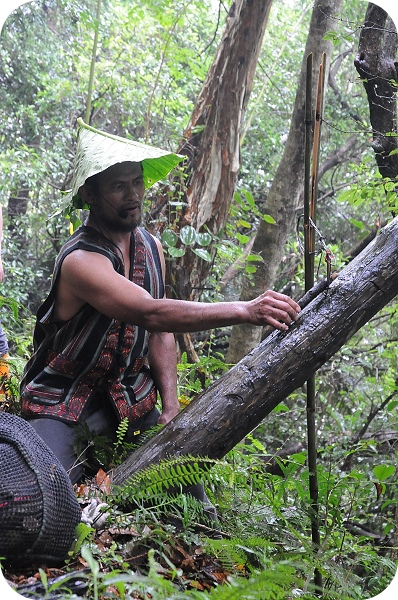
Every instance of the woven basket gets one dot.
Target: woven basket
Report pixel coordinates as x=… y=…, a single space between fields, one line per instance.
x=39 y=511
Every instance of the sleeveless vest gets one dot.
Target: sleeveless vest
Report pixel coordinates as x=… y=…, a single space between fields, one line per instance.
x=92 y=354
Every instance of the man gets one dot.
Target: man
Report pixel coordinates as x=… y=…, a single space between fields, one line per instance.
x=104 y=344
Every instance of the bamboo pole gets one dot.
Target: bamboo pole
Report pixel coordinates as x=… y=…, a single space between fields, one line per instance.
x=308 y=257
x=92 y=66
x=310 y=198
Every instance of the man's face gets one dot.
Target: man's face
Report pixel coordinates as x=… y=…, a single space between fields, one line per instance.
x=116 y=196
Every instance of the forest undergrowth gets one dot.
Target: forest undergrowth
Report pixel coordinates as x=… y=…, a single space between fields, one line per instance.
x=147 y=540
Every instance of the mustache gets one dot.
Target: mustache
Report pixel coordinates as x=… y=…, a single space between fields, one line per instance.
x=122 y=212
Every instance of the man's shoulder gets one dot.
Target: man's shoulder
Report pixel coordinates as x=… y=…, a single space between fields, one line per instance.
x=90 y=242
x=87 y=238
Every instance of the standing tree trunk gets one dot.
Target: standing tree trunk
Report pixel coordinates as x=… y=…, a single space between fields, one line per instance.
x=288 y=182
x=17 y=206
x=375 y=64
x=212 y=137
x=233 y=406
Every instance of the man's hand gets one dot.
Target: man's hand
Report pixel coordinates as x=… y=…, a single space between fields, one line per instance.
x=168 y=414
x=273 y=308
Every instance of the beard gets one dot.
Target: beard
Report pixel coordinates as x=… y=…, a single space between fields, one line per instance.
x=122 y=224
x=121 y=221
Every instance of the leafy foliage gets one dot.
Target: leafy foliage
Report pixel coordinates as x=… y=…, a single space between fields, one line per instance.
x=264 y=550
x=173 y=474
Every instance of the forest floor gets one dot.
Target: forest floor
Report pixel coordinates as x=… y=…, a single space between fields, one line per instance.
x=126 y=548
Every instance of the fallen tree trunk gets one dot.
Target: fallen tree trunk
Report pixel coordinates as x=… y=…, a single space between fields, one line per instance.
x=223 y=414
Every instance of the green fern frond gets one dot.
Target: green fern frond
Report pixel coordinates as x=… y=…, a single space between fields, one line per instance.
x=169 y=476
x=121 y=432
x=148 y=434
x=273 y=584
x=231 y=558
x=240 y=555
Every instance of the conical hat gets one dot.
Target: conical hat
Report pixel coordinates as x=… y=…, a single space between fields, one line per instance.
x=97 y=151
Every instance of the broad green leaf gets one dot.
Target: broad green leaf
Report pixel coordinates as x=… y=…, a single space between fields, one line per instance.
x=250 y=269
x=347 y=195
x=355 y=474
x=202 y=253
x=188 y=235
x=256 y=443
x=255 y=258
x=176 y=252
x=382 y=472
x=359 y=224
x=269 y=219
x=243 y=223
x=250 y=199
x=281 y=408
x=242 y=239
x=299 y=457
x=390 y=526
x=169 y=238
x=97 y=151
x=203 y=239
x=330 y=35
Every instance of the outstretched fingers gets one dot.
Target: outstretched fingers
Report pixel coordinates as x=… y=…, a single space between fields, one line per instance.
x=278 y=310
x=286 y=311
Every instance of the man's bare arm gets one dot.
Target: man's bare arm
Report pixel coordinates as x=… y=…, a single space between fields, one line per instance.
x=163 y=363
x=88 y=277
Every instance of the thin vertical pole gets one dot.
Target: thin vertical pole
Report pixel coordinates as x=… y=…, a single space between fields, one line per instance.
x=317 y=140
x=308 y=239
x=92 y=66
x=310 y=197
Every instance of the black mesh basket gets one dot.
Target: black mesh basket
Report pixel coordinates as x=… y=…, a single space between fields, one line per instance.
x=38 y=508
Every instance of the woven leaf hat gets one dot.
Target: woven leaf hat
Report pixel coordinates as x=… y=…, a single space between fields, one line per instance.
x=97 y=151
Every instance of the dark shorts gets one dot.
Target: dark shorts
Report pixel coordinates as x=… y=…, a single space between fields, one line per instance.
x=101 y=420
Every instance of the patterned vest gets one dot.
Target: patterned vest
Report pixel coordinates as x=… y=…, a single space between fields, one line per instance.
x=92 y=354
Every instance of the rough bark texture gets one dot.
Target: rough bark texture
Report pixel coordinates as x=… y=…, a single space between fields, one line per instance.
x=212 y=137
x=17 y=206
x=288 y=182
x=375 y=64
x=222 y=415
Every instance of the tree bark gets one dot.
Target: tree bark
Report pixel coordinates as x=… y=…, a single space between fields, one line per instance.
x=17 y=206
x=212 y=137
x=288 y=182
x=232 y=407
x=375 y=64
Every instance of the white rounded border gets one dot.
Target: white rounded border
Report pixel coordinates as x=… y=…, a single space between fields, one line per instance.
x=6 y=8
